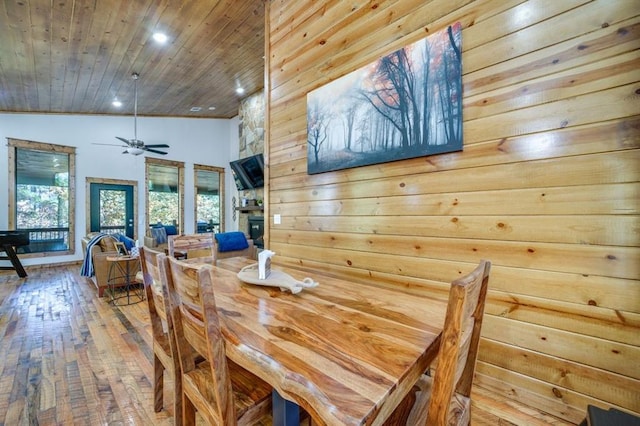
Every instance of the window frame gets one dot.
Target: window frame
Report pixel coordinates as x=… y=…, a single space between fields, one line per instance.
x=13 y=145
x=165 y=163
x=220 y=170
x=132 y=183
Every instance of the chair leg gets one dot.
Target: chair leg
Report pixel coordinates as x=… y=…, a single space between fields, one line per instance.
x=177 y=402
x=158 y=384
x=188 y=412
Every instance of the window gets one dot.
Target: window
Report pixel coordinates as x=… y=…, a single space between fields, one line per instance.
x=209 y=198
x=165 y=192
x=42 y=197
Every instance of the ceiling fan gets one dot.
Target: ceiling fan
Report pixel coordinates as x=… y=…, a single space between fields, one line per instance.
x=135 y=146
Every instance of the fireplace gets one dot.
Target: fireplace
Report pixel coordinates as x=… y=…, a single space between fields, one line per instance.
x=256 y=230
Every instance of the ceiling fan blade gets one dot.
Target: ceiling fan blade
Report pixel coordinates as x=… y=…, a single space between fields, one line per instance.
x=160 y=145
x=124 y=140
x=154 y=151
x=107 y=144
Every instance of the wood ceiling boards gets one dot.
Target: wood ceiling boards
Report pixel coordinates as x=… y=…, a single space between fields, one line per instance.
x=76 y=56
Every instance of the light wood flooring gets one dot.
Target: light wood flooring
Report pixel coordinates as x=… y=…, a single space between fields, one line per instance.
x=68 y=357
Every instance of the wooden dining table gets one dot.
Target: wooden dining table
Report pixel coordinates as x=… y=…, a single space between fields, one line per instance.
x=346 y=352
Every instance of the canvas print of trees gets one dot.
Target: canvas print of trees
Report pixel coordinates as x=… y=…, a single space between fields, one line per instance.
x=407 y=104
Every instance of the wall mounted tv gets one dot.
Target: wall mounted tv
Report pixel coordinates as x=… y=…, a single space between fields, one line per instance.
x=248 y=172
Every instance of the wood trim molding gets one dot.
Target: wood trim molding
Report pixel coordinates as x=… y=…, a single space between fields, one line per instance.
x=12 y=144
x=167 y=163
x=133 y=183
x=220 y=171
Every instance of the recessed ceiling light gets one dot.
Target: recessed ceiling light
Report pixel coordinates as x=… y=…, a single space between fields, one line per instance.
x=212 y=108
x=239 y=90
x=160 y=37
x=195 y=109
x=116 y=103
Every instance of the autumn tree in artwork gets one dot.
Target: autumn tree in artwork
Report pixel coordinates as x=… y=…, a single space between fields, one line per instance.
x=391 y=92
x=402 y=87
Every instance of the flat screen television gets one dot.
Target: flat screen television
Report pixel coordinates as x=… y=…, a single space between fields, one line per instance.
x=248 y=173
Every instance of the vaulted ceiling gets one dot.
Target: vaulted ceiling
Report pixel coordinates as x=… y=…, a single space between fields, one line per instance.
x=76 y=56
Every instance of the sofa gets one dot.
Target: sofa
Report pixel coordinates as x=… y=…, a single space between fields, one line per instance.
x=158 y=236
x=103 y=248
x=99 y=253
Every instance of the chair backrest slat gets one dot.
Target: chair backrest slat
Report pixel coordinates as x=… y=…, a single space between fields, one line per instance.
x=194 y=328
x=195 y=245
x=459 y=343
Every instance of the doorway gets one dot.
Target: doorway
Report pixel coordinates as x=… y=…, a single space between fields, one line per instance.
x=112 y=207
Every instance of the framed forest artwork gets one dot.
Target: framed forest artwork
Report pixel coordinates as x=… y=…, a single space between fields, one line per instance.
x=406 y=104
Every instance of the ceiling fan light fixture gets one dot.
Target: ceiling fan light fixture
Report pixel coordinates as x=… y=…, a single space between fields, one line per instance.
x=136 y=146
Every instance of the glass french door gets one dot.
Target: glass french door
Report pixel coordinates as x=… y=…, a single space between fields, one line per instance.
x=111 y=209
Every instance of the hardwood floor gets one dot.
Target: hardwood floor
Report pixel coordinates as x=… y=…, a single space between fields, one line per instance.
x=71 y=358
x=68 y=357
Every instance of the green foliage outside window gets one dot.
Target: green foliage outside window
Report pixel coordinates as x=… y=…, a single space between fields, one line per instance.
x=40 y=206
x=208 y=208
x=112 y=212
x=164 y=207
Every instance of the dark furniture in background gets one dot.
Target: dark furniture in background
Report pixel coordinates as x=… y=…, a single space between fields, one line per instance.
x=597 y=416
x=121 y=281
x=8 y=241
x=256 y=230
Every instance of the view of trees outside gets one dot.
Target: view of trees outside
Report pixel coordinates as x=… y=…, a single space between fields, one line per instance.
x=164 y=198
x=112 y=212
x=208 y=204
x=40 y=206
x=44 y=210
x=42 y=199
x=208 y=208
x=164 y=207
x=407 y=104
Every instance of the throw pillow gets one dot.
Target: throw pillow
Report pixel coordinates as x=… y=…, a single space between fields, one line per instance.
x=159 y=234
x=106 y=243
x=129 y=243
x=231 y=241
x=171 y=229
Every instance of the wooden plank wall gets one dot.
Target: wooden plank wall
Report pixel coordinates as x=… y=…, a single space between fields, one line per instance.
x=547 y=186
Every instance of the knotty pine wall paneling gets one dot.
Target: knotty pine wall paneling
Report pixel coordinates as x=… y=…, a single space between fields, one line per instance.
x=547 y=186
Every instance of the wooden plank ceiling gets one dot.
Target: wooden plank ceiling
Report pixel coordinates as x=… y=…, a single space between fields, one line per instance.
x=76 y=56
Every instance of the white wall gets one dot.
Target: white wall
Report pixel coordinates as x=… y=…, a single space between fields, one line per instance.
x=230 y=186
x=212 y=142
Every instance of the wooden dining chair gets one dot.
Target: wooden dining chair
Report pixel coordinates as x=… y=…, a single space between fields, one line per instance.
x=162 y=331
x=191 y=245
x=221 y=391
x=445 y=398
